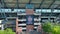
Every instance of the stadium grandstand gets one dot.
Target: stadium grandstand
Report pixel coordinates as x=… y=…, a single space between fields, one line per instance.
x=25 y=11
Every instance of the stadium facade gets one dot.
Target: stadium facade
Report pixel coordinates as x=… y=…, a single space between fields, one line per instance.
x=7 y=16
x=28 y=14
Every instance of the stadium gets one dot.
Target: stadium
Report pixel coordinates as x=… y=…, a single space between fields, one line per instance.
x=21 y=13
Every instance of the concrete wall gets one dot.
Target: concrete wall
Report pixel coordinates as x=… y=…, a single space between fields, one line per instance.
x=0 y=22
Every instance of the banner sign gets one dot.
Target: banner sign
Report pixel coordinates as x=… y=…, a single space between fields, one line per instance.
x=30 y=19
x=29 y=6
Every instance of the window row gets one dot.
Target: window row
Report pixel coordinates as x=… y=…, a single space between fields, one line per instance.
x=36 y=10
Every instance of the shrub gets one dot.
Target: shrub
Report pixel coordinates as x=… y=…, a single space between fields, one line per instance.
x=50 y=27
x=56 y=29
x=7 y=31
x=47 y=27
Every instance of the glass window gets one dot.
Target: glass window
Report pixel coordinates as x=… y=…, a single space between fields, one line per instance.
x=15 y=10
x=38 y=11
x=44 y=10
x=58 y=11
x=2 y=10
x=22 y=10
x=48 y=10
x=55 y=11
x=7 y=10
x=19 y=10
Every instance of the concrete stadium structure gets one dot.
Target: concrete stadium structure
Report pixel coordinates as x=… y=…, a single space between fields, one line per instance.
x=42 y=10
x=40 y=16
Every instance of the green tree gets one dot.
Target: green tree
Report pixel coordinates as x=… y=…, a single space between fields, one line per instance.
x=7 y=31
x=47 y=27
x=56 y=29
x=53 y=28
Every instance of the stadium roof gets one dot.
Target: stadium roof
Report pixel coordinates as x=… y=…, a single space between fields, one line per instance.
x=38 y=4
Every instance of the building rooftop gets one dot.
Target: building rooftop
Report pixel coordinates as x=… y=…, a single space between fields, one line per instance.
x=39 y=4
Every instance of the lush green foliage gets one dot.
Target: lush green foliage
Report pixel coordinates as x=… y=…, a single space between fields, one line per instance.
x=56 y=29
x=47 y=27
x=50 y=27
x=7 y=31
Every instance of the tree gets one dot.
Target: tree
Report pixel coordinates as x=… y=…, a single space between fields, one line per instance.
x=52 y=28
x=47 y=27
x=7 y=31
